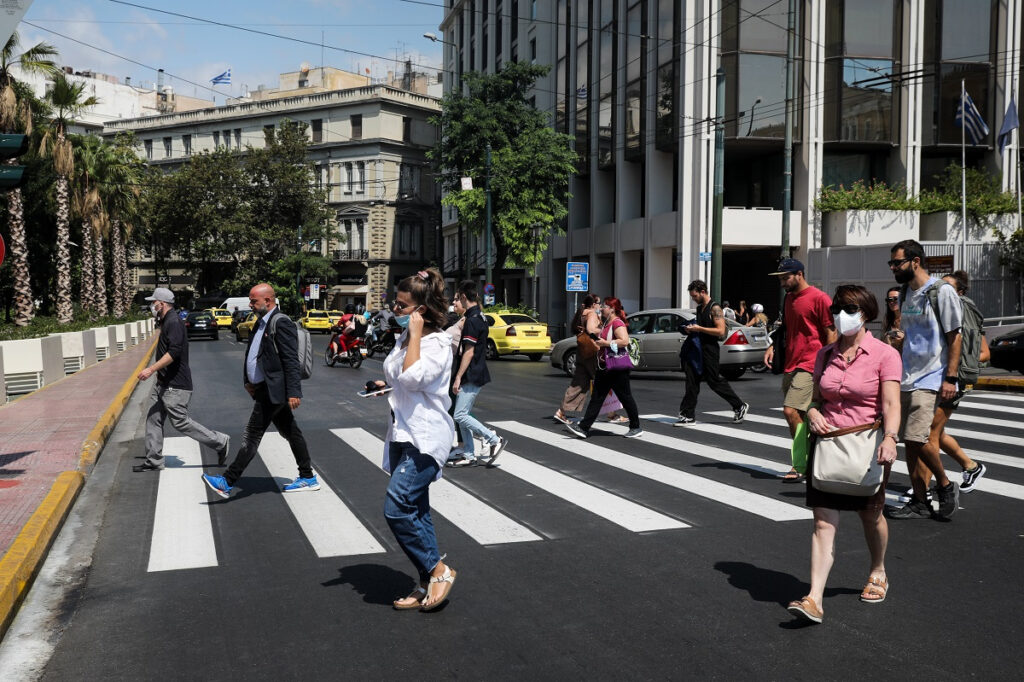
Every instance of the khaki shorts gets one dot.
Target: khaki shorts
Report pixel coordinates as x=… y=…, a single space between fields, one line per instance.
x=798 y=387
x=917 y=411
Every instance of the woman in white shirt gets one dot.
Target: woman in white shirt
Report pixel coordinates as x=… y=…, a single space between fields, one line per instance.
x=420 y=431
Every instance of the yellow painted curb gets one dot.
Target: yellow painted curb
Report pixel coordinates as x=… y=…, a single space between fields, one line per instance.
x=19 y=566
x=94 y=441
x=1002 y=382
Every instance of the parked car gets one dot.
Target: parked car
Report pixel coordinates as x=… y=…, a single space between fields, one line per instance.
x=658 y=333
x=516 y=333
x=222 y=315
x=1008 y=351
x=316 y=320
x=201 y=325
x=243 y=330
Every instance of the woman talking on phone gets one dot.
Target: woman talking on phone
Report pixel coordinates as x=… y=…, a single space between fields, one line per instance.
x=420 y=431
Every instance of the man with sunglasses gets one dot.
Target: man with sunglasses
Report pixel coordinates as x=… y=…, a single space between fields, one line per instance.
x=931 y=358
x=809 y=327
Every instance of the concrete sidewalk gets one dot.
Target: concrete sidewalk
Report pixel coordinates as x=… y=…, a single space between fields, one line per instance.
x=49 y=441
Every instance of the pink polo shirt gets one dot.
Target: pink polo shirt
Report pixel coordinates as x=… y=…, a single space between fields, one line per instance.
x=852 y=392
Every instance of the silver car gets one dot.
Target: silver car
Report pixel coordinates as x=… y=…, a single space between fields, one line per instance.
x=660 y=340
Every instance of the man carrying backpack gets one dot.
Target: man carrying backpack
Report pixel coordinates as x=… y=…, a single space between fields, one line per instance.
x=931 y=362
x=272 y=375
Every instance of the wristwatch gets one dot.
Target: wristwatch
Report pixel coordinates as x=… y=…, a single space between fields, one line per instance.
x=950 y=379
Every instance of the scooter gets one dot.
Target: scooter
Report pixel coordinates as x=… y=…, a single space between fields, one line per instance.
x=378 y=341
x=345 y=348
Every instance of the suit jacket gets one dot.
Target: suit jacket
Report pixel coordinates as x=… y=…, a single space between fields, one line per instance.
x=278 y=359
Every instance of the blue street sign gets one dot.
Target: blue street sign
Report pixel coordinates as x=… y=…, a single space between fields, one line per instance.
x=577 y=276
x=488 y=288
x=705 y=256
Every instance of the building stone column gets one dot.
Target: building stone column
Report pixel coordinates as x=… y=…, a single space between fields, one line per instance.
x=379 y=226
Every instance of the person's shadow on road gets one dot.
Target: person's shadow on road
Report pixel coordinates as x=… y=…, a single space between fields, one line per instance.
x=377 y=583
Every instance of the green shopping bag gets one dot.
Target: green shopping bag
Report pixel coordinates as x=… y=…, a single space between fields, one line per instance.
x=801 y=447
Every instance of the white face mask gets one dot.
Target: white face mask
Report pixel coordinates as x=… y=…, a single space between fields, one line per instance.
x=848 y=324
x=154 y=310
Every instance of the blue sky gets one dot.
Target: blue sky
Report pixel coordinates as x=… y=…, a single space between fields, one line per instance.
x=198 y=52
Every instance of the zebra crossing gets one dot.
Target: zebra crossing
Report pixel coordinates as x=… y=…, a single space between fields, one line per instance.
x=546 y=461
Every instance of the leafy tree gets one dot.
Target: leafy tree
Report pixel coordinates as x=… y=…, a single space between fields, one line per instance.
x=530 y=162
x=16 y=116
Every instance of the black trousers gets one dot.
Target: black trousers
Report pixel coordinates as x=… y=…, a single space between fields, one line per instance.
x=265 y=413
x=713 y=378
x=614 y=380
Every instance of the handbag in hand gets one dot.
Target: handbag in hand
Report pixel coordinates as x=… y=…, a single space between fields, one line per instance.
x=845 y=461
x=585 y=345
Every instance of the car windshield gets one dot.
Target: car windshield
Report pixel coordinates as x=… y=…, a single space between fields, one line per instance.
x=221 y=313
x=518 y=319
x=199 y=316
x=316 y=314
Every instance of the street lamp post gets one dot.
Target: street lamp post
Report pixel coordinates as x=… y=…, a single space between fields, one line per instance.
x=487 y=237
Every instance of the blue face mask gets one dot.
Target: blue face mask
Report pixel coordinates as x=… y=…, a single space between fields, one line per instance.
x=402 y=320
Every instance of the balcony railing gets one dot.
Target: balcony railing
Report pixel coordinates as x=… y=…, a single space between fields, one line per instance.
x=351 y=254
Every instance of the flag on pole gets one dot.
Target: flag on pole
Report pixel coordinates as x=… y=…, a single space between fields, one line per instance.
x=222 y=79
x=1010 y=123
x=973 y=124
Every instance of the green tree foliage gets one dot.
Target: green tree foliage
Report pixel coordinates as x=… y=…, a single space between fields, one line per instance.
x=530 y=163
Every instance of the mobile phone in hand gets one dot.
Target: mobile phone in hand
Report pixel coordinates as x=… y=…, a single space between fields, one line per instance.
x=374 y=389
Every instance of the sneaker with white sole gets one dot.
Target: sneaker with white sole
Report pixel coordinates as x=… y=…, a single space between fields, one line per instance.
x=494 y=449
x=634 y=433
x=302 y=485
x=684 y=421
x=972 y=476
x=574 y=429
x=218 y=484
x=739 y=413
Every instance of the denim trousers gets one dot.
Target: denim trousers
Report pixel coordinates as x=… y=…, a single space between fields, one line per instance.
x=407 y=505
x=172 y=403
x=467 y=423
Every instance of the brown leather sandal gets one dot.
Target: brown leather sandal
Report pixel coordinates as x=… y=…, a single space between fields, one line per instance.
x=806 y=608
x=413 y=601
x=875 y=591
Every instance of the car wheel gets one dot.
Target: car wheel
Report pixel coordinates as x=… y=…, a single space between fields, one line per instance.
x=535 y=357
x=569 y=363
x=492 y=351
x=329 y=357
x=732 y=372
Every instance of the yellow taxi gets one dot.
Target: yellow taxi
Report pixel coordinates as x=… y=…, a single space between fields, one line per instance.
x=243 y=330
x=512 y=333
x=334 y=316
x=316 y=320
x=222 y=315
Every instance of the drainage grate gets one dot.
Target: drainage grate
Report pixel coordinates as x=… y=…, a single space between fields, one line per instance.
x=20 y=383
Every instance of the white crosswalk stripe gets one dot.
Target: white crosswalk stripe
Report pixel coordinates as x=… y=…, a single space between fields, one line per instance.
x=476 y=519
x=327 y=522
x=761 y=505
x=182 y=528
x=990 y=407
x=997 y=396
x=987 y=484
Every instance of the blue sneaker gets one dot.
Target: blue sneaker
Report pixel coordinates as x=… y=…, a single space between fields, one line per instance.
x=218 y=484
x=301 y=485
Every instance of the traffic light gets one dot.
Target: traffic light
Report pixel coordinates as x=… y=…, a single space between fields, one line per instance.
x=11 y=147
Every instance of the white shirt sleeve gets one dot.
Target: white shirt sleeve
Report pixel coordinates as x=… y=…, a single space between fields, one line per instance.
x=434 y=361
x=951 y=312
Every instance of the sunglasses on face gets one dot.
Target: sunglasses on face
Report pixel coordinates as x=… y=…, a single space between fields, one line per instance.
x=898 y=262
x=892 y=299
x=849 y=308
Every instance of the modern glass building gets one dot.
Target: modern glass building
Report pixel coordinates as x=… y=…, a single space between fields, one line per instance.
x=633 y=81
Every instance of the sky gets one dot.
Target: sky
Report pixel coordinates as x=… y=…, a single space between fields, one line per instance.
x=192 y=52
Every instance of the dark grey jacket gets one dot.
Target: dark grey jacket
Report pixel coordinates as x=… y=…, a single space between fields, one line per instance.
x=278 y=359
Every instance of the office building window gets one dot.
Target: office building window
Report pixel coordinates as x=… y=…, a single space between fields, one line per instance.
x=356 y=121
x=485 y=15
x=665 y=137
x=499 y=22
x=167 y=147
x=317 y=128
x=406 y=129
x=513 y=17
x=533 y=50
x=636 y=49
x=227 y=139
x=583 y=88
x=186 y=144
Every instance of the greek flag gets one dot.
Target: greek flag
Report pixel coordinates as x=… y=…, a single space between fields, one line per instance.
x=222 y=79
x=975 y=126
x=1010 y=123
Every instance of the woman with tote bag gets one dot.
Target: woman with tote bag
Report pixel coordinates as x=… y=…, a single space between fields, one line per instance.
x=855 y=419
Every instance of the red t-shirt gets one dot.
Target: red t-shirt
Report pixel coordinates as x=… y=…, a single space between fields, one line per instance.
x=807 y=320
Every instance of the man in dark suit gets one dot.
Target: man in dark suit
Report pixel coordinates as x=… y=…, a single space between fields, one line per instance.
x=271 y=376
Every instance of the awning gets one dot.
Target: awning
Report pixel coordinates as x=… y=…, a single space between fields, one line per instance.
x=350 y=289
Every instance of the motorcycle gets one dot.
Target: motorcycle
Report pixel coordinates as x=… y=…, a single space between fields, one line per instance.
x=380 y=341
x=345 y=348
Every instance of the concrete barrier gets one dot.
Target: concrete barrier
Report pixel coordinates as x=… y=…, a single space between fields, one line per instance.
x=3 y=384
x=106 y=342
x=30 y=364
x=78 y=349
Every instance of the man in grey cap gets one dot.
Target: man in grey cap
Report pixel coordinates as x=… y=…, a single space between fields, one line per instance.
x=173 y=389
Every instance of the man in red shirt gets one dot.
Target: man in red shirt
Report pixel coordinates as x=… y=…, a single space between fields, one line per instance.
x=809 y=327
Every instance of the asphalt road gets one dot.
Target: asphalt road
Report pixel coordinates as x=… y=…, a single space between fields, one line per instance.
x=664 y=557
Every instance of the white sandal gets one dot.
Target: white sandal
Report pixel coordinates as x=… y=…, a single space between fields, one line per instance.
x=448 y=577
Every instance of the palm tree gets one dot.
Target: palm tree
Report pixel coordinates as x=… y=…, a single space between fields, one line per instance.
x=86 y=203
x=121 y=190
x=16 y=116
x=67 y=100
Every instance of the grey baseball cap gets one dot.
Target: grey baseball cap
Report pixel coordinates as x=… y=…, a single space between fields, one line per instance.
x=161 y=294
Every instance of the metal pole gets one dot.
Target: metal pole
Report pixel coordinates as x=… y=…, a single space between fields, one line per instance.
x=487 y=237
x=716 y=225
x=787 y=168
x=963 y=175
x=298 y=274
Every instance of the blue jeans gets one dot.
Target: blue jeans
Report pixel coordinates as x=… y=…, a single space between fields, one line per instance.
x=407 y=506
x=467 y=423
